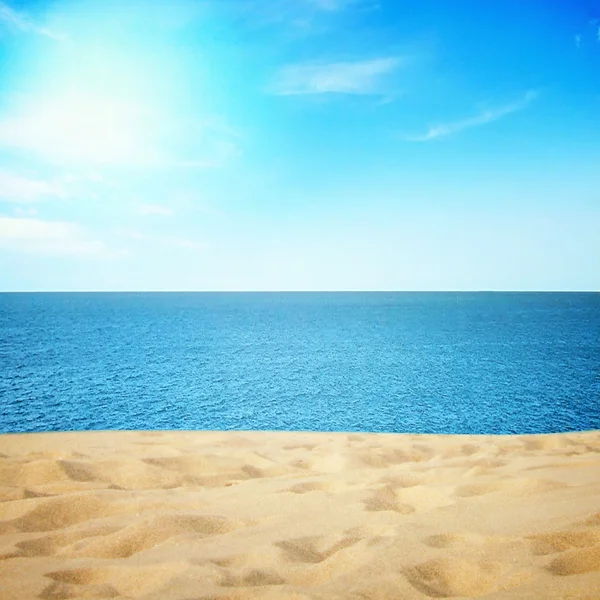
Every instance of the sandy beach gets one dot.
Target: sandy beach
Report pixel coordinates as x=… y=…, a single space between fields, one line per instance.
x=206 y=515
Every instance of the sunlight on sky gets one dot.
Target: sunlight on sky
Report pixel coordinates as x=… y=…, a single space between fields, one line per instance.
x=95 y=97
x=311 y=145
x=75 y=127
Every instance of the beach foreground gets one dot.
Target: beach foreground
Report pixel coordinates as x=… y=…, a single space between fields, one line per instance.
x=206 y=515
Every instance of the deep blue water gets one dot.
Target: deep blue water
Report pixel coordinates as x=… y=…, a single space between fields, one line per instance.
x=389 y=362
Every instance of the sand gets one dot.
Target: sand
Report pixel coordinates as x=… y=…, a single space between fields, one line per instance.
x=206 y=515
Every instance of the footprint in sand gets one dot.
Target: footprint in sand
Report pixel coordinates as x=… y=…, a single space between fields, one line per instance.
x=303 y=561
x=476 y=489
x=132 y=581
x=78 y=471
x=386 y=498
x=576 y=562
x=252 y=578
x=593 y=520
x=8 y=494
x=444 y=540
x=59 y=590
x=376 y=457
x=311 y=549
x=300 y=447
x=487 y=463
x=315 y=486
x=464 y=540
x=317 y=560
x=560 y=541
x=403 y=480
x=355 y=437
x=449 y=577
x=258 y=558
x=52 y=545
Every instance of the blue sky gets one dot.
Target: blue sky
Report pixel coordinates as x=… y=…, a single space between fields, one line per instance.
x=299 y=145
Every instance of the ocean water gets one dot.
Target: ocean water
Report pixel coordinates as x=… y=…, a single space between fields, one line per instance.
x=382 y=362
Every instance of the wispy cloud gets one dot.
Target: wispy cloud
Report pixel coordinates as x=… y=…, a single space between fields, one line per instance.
x=222 y=152
x=54 y=238
x=339 y=5
x=173 y=241
x=92 y=177
x=153 y=209
x=488 y=116
x=15 y=188
x=590 y=34
x=17 y=21
x=307 y=15
x=26 y=211
x=185 y=243
x=358 y=77
x=132 y=234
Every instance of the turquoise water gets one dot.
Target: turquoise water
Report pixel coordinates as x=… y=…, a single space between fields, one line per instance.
x=387 y=362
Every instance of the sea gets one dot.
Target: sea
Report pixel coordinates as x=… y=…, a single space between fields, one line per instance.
x=480 y=363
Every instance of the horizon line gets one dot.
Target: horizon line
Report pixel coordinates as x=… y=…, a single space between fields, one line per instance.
x=359 y=291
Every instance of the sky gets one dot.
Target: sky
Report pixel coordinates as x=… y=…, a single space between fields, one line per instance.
x=299 y=145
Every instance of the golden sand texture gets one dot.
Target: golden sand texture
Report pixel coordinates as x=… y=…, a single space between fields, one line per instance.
x=236 y=515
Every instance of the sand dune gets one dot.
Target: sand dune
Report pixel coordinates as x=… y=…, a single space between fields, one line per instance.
x=295 y=516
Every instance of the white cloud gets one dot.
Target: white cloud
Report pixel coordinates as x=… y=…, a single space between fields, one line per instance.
x=358 y=77
x=578 y=41
x=73 y=127
x=19 y=22
x=84 y=130
x=54 y=238
x=485 y=117
x=153 y=209
x=14 y=188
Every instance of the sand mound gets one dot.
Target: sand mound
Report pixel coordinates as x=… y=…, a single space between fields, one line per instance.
x=59 y=513
x=31 y=473
x=152 y=532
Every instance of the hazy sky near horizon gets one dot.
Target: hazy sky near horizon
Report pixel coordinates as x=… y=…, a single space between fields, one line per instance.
x=299 y=145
